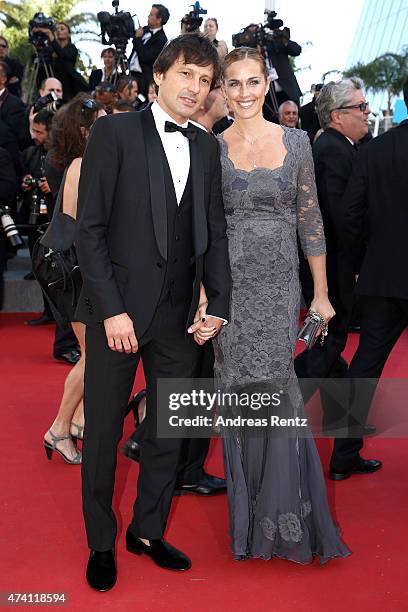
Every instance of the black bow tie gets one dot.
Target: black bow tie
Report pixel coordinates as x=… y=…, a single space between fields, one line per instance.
x=188 y=132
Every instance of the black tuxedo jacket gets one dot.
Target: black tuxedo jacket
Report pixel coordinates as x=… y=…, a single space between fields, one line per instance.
x=375 y=209
x=14 y=114
x=333 y=157
x=279 y=55
x=147 y=53
x=122 y=222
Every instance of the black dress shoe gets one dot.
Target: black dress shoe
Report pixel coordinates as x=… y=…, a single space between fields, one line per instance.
x=29 y=276
x=364 y=466
x=101 y=570
x=207 y=485
x=163 y=554
x=72 y=357
x=368 y=430
x=132 y=450
x=44 y=319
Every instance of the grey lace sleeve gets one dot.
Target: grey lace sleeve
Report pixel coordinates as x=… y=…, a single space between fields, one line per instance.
x=309 y=218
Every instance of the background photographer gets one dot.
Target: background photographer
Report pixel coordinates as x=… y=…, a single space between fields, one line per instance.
x=107 y=73
x=49 y=97
x=16 y=69
x=147 y=44
x=37 y=204
x=106 y=94
x=210 y=30
x=279 y=47
x=63 y=59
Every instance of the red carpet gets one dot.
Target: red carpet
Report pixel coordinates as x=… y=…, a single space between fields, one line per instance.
x=43 y=540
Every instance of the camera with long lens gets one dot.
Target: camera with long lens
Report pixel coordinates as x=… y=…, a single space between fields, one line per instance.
x=38 y=205
x=116 y=28
x=9 y=227
x=258 y=35
x=193 y=19
x=40 y=39
x=50 y=102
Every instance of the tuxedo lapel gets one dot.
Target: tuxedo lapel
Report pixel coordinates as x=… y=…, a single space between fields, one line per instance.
x=153 y=148
x=200 y=233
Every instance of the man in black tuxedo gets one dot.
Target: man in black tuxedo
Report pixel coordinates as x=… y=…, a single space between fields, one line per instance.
x=147 y=45
x=192 y=478
x=12 y=111
x=151 y=229
x=343 y=114
x=377 y=198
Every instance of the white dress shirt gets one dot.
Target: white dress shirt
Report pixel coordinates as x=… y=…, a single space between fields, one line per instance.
x=177 y=149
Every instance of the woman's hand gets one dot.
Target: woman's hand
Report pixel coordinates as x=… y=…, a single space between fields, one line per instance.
x=321 y=304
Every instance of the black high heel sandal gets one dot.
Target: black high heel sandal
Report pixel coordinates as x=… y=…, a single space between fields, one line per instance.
x=49 y=448
x=134 y=405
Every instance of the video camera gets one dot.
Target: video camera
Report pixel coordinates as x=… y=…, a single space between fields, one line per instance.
x=50 y=102
x=116 y=28
x=40 y=39
x=258 y=35
x=193 y=20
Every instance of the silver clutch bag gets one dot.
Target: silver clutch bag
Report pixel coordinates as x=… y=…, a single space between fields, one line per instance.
x=311 y=325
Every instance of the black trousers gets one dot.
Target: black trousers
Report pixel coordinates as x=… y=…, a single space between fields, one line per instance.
x=382 y=322
x=167 y=353
x=194 y=451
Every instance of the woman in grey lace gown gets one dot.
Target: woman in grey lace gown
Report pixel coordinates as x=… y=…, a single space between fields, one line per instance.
x=276 y=490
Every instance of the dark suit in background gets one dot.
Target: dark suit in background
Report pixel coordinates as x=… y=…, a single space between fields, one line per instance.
x=334 y=156
x=13 y=113
x=147 y=53
x=377 y=195
x=142 y=254
x=278 y=53
x=16 y=70
x=8 y=190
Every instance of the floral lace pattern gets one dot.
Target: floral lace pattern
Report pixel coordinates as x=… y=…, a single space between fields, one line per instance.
x=273 y=482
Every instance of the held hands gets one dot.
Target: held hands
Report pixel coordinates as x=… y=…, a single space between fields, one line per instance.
x=204 y=327
x=121 y=334
x=139 y=32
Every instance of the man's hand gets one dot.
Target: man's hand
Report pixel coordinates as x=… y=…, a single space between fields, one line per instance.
x=44 y=187
x=121 y=334
x=205 y=328
x=24 y=185
x=47 y=31
x=139 y=32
